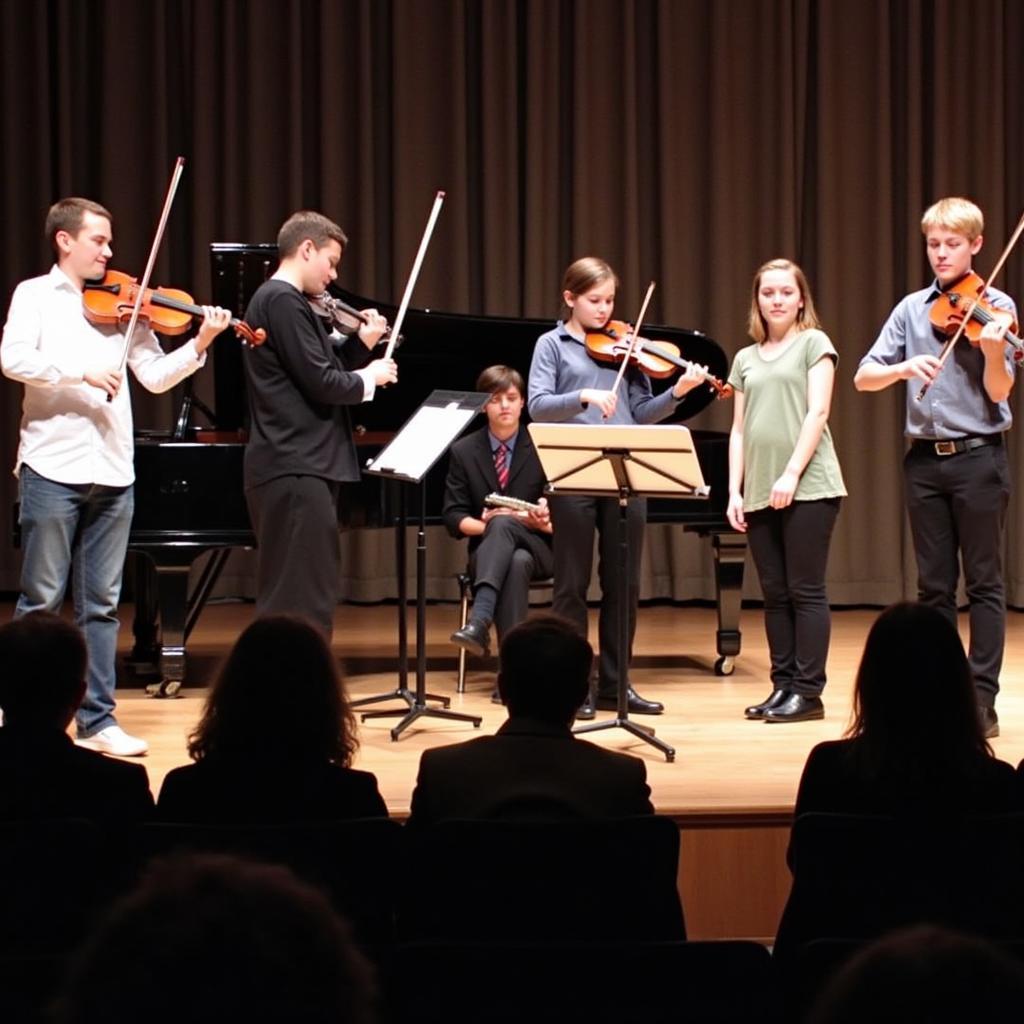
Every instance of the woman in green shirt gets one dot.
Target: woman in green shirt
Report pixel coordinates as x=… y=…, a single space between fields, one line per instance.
x=785 y=483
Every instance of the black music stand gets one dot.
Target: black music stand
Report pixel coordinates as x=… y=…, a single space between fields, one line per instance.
x=623 y=462
x=408 y=458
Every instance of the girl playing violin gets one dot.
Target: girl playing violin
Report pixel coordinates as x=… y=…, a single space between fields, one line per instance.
x=568 y=386
x=785 y=483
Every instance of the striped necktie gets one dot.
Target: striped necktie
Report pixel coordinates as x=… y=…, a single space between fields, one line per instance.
x=501 y=465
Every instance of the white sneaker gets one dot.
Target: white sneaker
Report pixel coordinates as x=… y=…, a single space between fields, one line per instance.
x=114 y=740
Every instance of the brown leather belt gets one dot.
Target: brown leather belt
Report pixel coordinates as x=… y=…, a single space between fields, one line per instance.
x=958 y=445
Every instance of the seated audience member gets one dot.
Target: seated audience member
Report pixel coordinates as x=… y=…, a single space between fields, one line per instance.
x=42 y=773
x=507 y=548
x=916 y=743
x=275 y=739
x=925 y=975
x=210 y=939
x=534 y=766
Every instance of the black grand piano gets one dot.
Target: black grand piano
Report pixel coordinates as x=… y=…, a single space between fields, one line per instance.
x=175 y=521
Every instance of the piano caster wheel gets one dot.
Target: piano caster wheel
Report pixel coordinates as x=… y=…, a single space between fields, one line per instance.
x=725 y=666
x=165 y=688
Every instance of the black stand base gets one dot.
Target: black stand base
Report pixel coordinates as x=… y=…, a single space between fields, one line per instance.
x=643 y=732
x=419 y=710
x=401 y=693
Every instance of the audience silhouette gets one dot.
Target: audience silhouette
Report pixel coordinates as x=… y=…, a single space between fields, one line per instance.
x=209 y=939
x=42 y=773
x=276 y=738
x=533 y=767
x=916 y=744
x=925 y=975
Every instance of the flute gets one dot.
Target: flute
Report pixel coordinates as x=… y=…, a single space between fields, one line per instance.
x=519 y=504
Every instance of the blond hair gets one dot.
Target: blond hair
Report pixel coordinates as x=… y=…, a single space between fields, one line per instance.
x=954 y=214
x=807 y=316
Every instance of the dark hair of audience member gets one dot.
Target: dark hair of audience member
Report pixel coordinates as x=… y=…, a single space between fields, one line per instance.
x=212 y=938
x=281 y=686
x=43 y=662
x=544 y=669
x=924 y=975
x=915 y=708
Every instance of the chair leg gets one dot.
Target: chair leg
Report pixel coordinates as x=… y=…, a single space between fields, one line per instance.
x=460 y=685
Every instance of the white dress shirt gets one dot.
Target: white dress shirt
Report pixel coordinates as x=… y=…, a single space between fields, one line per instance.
x=69 y=431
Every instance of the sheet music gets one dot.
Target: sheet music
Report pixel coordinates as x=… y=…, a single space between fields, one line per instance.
x=429 y=431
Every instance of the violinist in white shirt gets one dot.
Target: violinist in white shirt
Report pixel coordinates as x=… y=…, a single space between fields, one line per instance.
x=75 y=463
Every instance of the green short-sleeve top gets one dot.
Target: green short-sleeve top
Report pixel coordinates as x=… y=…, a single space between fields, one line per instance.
x=775 y=405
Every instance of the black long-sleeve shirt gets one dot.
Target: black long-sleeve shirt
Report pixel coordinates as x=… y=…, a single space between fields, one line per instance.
x=299 y=384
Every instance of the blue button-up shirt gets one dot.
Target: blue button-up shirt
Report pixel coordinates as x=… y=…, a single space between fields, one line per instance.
x=561 y=369
x=956 y=404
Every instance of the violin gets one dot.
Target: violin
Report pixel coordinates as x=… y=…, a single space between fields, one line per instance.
x=167 y=310
x=658 y=359
x=951 y=307
x=341 y=315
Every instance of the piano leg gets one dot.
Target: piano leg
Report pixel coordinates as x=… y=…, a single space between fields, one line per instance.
x=730 y=554
x=178 y=609
x=145 y=654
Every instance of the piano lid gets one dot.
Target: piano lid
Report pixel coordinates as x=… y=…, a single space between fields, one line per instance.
x=440 y=350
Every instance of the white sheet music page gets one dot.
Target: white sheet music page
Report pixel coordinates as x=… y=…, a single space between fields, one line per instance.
x=428 y=432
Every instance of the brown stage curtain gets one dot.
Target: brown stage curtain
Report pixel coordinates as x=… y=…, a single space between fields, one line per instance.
x=686 y=141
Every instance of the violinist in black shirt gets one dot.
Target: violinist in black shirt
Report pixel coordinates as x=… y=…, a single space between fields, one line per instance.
x=300 y=443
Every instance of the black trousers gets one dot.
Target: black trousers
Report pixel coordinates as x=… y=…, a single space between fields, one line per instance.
x=507 y=558
x=957 y=505
x=790 y=551
x=575 y=520
x=295 y=519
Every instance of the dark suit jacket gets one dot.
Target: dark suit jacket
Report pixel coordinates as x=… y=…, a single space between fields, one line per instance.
x=529 y=769
x=471 y=478
x=215 y=791
x=44 y=775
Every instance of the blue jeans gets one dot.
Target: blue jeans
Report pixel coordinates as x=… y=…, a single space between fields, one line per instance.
x=82 y=530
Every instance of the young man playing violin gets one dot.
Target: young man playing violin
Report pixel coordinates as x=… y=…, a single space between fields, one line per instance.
x=507 y=547
x=957 y=479
x=75 y=463
x=300 y=448
x=568 y=386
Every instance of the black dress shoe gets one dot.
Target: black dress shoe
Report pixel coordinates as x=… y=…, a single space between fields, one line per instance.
x=634 y=702
x=775 y=698
x=473 y=637
x=796 y=708
x=989 y=721
x=586 y=710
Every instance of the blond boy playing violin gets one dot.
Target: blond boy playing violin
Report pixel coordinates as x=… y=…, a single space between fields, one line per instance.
x=75 y=463
x=957 y=478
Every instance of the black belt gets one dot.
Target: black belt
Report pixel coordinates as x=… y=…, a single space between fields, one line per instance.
x=958 y=445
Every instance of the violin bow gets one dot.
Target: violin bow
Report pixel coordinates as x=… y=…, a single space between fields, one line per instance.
x=396 y=328
x=633 y=338
x=948 y=347
x=179 y=166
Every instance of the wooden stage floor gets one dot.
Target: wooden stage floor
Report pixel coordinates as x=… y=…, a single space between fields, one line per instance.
x=731 y=787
